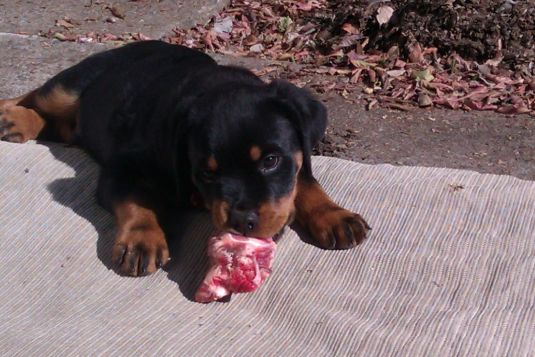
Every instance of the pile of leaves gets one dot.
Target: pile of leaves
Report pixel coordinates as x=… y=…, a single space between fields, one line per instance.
x=398 y=52
x=476 y=30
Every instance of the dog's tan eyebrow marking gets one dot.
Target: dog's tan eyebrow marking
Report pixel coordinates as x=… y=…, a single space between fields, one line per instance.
x=298 y=158
x=211 y=163
x=255 y=153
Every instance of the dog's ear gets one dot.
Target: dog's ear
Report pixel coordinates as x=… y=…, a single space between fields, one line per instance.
x=308 y=115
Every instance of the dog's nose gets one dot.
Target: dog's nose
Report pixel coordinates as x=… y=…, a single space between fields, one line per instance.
x=243 y=221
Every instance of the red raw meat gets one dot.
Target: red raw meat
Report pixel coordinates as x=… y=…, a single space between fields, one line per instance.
x=237 y=265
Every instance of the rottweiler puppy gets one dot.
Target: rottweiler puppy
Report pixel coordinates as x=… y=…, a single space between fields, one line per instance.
x=168 y=124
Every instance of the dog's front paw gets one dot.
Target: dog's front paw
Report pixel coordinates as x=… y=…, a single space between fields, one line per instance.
x=337 y=228
x=140 y=251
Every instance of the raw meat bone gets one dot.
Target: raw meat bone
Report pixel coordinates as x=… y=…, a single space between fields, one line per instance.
x=237 y=265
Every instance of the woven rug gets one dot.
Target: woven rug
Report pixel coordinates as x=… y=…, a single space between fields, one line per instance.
x=448 y=270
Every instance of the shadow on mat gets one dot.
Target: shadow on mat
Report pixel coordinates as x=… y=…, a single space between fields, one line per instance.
x=186 y=235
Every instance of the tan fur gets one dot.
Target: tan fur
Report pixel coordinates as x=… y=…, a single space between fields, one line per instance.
x=58 y=103
x=24 y=124
x=6 y=103
x=33 y=114
x=220 y=213
x=273 y=215
x=60 y=108
x=255 y=153
x=139 y=234
x=211 y=163
x=327 y=223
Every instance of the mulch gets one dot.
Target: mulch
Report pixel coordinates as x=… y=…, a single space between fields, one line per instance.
x=470 y=55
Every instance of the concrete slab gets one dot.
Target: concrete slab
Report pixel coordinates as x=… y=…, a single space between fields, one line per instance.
x=28 y=61
x=151 y=18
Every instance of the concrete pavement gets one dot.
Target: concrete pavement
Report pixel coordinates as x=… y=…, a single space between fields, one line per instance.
x=151 y=18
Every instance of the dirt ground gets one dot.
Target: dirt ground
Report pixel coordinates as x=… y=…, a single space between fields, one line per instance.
x=477 y=30
x=477 y=141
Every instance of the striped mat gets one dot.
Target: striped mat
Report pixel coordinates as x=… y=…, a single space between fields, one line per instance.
x=449 y=270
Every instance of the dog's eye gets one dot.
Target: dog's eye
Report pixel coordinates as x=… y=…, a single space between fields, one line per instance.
x=269 y=163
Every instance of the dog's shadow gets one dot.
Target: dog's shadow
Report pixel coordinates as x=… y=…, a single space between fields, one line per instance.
x=187 y=235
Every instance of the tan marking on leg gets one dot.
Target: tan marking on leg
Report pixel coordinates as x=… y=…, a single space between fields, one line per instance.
x=330 y=226
x=140 y=247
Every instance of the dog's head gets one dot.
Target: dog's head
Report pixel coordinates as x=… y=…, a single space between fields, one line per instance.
x=247 y=144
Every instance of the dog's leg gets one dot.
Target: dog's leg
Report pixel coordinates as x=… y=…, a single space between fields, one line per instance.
x=329 y=225
x=140 y=246
x=51 y=111
x=46 y=113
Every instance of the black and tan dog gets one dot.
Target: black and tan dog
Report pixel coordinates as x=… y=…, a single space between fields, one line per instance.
x=167 y=123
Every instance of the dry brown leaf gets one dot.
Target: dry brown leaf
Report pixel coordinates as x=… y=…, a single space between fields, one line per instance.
x=349 y=28
x=355 y=77
x=372 y=75
x=362 y=64
x=309 y=5
x=512 y=109
x=396 y=72
x=349 y=40
x=415 y=53
x=448 y=102
x=424 y=100
x=495 y=61
x=397 y=106
x=250 y=40
x=65 y=23
x=264 y=71
x=116 y=11
x=341 y=71
x=384 y=13
x=256 y=48
x=371 y=104
x=424 y=75
x=399 y=63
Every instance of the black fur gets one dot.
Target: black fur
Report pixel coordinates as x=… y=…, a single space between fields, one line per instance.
x=171 y=129
x=152 y=114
